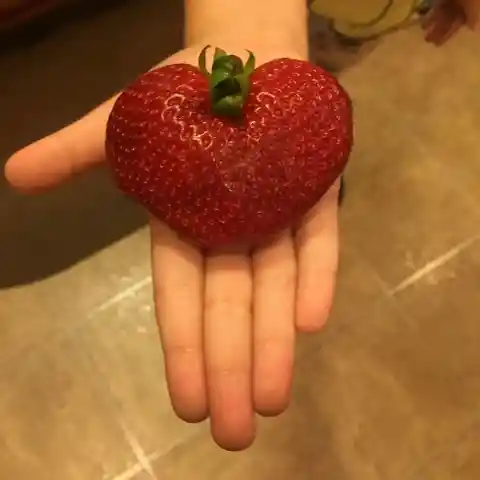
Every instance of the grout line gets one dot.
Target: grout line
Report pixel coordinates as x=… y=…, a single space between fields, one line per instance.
x=137 y=468
x=433 y=265
x=144 y=461
x=132 y=289
x=129 y=474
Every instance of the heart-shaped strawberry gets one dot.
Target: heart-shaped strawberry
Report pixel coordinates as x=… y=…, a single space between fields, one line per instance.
x=232 y=156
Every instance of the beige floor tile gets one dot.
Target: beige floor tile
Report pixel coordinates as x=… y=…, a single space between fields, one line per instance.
x=370 y=389
x=56 y=421
x=402 y=383
x=405 y=214
x=396 y=380
x=284 y=450
x=35 y=313
x=443 y=365
x=460 y=460
x=440 y=106
x=123 y=343
x=369 y=384
x=412 y=179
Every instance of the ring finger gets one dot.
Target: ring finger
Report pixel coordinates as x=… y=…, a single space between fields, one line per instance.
x=274 y=325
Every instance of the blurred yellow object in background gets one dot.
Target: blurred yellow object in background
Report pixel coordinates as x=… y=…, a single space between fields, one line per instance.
x=366 y=18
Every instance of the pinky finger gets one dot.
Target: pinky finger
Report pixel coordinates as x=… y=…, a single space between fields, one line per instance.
x=317 y=253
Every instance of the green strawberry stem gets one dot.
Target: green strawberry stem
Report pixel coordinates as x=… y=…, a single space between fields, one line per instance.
x=229 y=81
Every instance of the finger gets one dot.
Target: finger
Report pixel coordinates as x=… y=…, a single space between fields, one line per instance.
x=444 y=19
x=455 y=27
x=274 y=325
x=317 y=257
x=228 y=350
x=472 y=13
x=436 y=11
x=178 y=289
x=62 y=155
x=437 y=23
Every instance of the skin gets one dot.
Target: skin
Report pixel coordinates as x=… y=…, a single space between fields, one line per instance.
x=227 y=321
x=448 y=16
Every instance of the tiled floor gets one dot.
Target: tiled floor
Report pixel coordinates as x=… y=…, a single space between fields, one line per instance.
x=389 y=391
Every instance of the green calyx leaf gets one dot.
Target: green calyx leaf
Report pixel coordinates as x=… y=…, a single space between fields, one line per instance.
x=229 y=81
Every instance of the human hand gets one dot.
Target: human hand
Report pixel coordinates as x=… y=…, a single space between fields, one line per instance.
x=227 y=320
x=447 y=17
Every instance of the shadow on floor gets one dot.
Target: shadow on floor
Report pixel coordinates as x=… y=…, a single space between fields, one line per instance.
x=47 y=81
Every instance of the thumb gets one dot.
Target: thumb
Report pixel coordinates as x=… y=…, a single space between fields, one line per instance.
x=61 y=155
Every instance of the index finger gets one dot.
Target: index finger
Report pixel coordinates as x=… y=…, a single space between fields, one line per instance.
x=178 y=282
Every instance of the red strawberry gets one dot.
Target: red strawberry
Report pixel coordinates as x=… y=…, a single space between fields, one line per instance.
x=234 y=156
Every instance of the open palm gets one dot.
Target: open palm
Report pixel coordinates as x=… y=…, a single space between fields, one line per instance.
x=227 y=320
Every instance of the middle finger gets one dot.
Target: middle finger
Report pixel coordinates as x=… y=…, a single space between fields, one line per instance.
x=228 y=350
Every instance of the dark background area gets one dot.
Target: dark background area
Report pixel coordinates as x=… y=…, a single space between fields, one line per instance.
x=52 y=71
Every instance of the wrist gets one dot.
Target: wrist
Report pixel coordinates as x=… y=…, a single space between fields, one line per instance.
x=267 y=27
